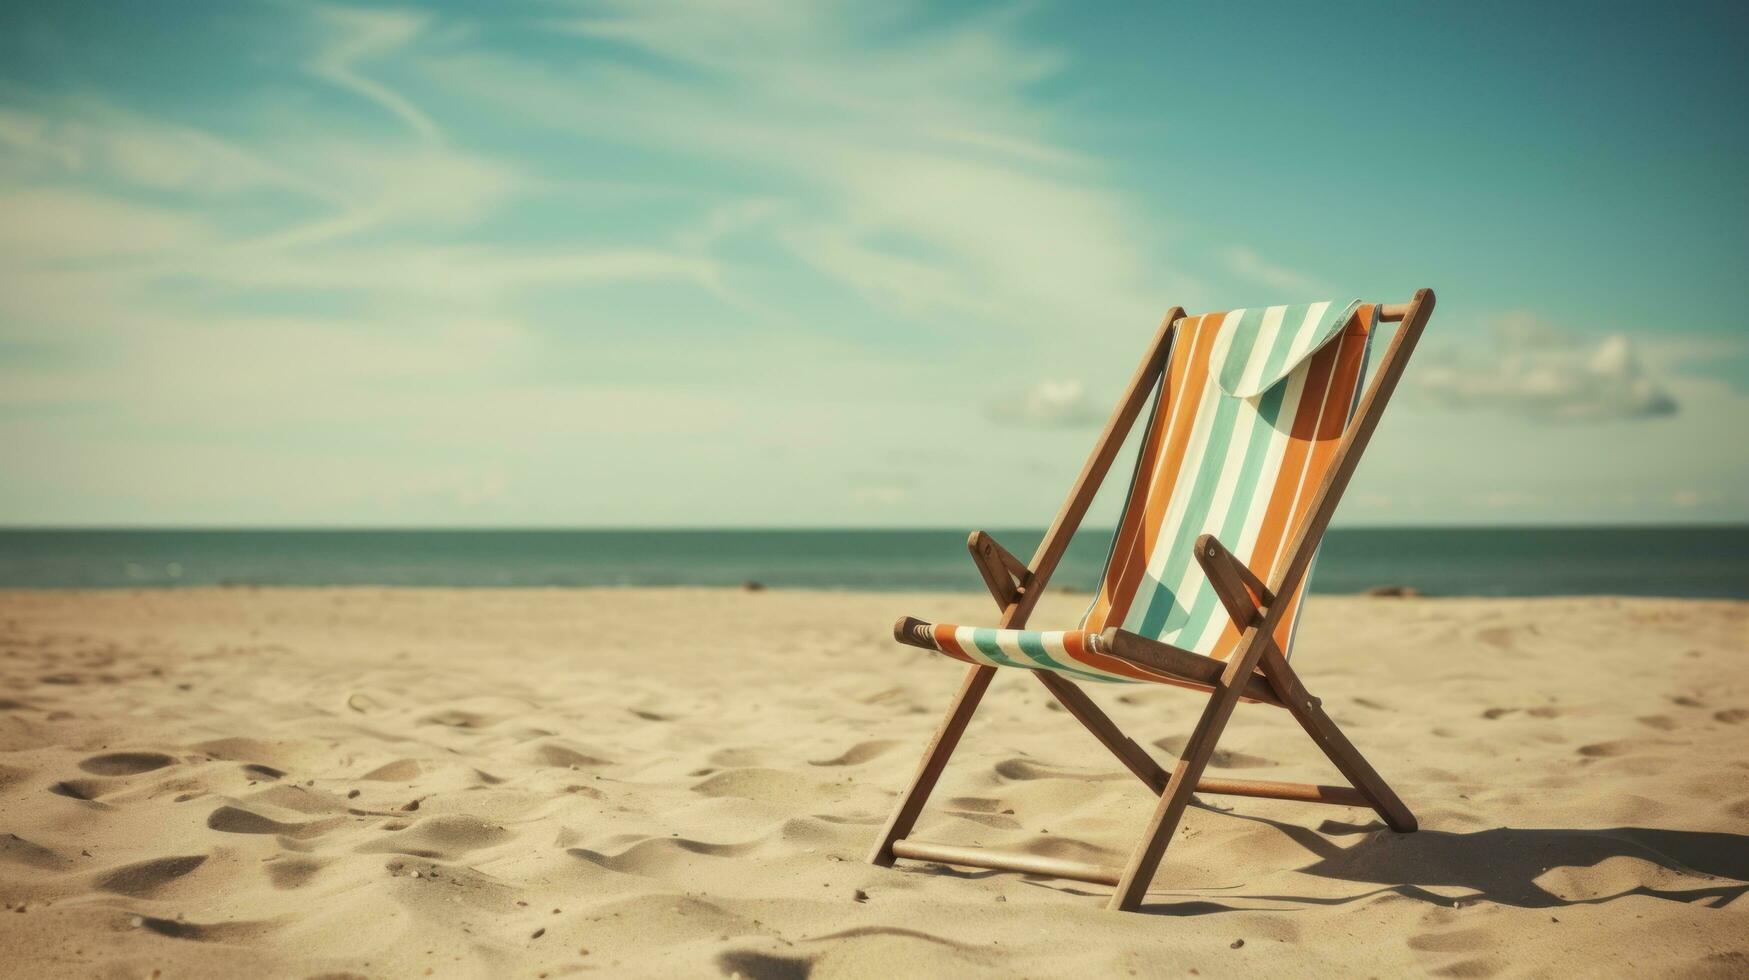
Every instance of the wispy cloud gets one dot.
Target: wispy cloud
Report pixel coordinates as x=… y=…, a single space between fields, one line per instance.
x=1536 y=370
x=477 y=257
x=1247 y=264
x=916 y=168
x=1064 y=403
x=356 y=36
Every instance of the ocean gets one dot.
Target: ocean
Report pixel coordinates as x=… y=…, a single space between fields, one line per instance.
x=1673 y=561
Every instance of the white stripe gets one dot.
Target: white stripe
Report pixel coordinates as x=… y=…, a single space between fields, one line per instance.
x=1267 y=477
x=1308 y=333
x=1008 y=641
x=962 y=638
x=1223 y=340
x=1232 y=461
x=1258 y=357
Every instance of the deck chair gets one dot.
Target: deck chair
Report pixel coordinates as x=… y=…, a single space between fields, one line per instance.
x=1259 y=417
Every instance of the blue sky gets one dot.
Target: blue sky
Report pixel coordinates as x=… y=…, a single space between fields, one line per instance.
x=698 y=264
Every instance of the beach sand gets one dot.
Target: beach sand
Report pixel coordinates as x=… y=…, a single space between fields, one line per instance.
x=401 y=783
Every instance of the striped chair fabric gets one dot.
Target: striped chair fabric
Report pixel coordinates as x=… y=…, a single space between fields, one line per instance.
x=1243 y=428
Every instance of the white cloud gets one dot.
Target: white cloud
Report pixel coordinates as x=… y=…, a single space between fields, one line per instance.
x=88 y=140
x=1294 y=286
x=49 y=225
x=1538 y=371
x=357 y=36
x=1051 y=404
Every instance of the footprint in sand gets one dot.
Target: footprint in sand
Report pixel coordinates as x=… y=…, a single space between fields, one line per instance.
x=444 y=838
x=858 y=754
x=1606 y=750
x=146 y=877
x=455 y=718
x=1474 y=968
x=1456 y=941
x=399 y=771
x=762 y=966
x=1495 y=714
x=87 y=790
x=1028 y=769
x=234 y=820
x=565 y=757
x=1732 y=716
x=292 y=872
x=1663 y=723
x=125 y=763
x=16 y=850
x=199 y=932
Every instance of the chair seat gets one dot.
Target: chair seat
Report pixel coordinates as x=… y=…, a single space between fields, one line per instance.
x=1077 y=654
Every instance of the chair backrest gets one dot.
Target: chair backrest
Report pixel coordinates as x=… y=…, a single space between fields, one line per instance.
x=1245 y=425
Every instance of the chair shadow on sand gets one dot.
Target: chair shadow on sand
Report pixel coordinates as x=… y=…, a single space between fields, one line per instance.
x=1499 y=866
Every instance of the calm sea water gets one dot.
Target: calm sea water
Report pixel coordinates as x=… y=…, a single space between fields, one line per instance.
x=1709 y=561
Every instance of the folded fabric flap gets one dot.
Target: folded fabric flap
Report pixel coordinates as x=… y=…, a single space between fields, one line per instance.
x=1260 y=347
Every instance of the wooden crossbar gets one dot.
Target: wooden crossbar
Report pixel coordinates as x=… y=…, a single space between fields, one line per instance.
x=979 y=857
x=1098 y=874
x=1271 y=790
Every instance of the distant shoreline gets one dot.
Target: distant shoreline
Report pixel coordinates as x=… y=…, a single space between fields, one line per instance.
x=1677 y=562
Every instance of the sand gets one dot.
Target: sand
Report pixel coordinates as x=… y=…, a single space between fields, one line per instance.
x=388 y=783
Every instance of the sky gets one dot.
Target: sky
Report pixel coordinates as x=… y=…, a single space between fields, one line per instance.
x=690 y=264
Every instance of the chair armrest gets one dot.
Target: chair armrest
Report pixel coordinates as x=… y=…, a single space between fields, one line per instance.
x=1240 y=590
x=1177 y=662
x=1005 y=575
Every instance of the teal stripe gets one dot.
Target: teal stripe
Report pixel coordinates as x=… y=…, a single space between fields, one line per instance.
x=985 y=640
x=1232 y=368
x=1033 y=642
x=1284 y=338
x=1245 y=490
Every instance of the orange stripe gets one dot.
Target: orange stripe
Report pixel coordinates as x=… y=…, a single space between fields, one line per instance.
x=1129 y=530
x=944 y=640
x=1074 y=643
x=1350 y=360
x=1189 y=375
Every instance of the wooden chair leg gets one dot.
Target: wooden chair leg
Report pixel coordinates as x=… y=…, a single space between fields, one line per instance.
x=1235 y=584
x=1309 y=712
x=1139 y=873
x=947 y=738
x=1082 y=709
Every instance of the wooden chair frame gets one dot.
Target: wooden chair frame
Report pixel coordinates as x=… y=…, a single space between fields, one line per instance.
x=1258 y=669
